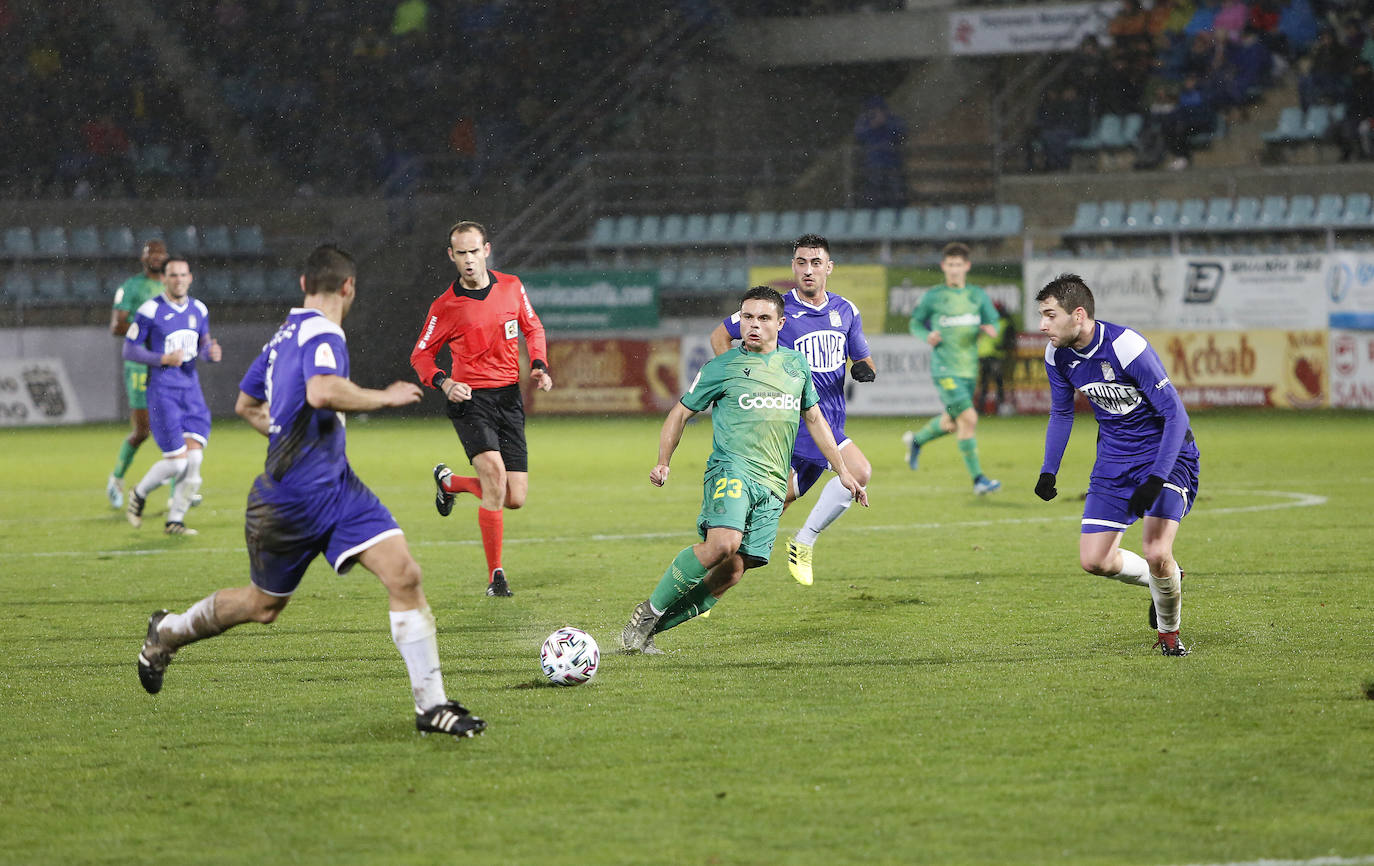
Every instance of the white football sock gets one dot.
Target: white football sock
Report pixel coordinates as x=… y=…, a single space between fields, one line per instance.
x=187 y=484
x=179 y=629
x=1134 y=569
x=158 y=473
x=834 y=500
x=1167 y=593
x=413 y=633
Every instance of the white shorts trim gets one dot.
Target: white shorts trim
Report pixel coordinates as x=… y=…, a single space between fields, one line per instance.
x=343 y=563
x=172 y=455
x=1093 y=521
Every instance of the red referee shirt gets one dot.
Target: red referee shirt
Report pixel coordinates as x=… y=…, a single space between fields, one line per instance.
x=481 y=329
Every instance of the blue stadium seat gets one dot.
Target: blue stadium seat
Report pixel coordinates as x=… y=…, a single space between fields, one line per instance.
x=1010 y=220
x=85 y=242
x=736 y=279
x=1164 y=217
x=86 y=284
x=812 y=222
x=603 y=230
x=1218 y=214
x=1084 y=218
x=741 y=228
x=184 y=240
x=215 y=240
x=789 y=227
x=51 y=242
x=1108 y=129
x=1316 y=122
x=18 y=285
x=148 y=233
x=836 y=224
x=215 y=284
x=1111 y=219
x=1272 y=211
x=667 y=276
x=1329 y=210
x=765 y=227
x=1192 y=213
x=1357 y=208
x=1131 y=127
x=689 y=278
x=283 y=283
x=251 y=282
x=651 y=232
x=908 y=223
x=933 y=223
x=884 y=223
x=956 y=221
x=1302 y=211
x=718 y=229
x=694 y=232
x=1138 y=216
x=1289 y=127
x=860 y=226
x=1246 y=214
x=50 y=286
x=248 y=241
x=984 y=223
x=19 y=242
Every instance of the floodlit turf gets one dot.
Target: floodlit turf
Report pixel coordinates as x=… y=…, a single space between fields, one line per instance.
x=953 y=688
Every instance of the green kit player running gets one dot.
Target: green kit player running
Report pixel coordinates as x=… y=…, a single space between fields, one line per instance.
x=761 y=393
x=949 y=317
x=128 y=298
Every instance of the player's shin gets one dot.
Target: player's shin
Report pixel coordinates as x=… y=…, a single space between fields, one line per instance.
x=834 y=500
x=187 y=484
x=1134 y=569
x=197 y=623
x=697 y=601
x=684 y=573
x=163 y=470
x=413 y=632
x=1167 y=592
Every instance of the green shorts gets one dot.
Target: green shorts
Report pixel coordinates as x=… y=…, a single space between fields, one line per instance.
x=733 y=500
x=956 y=393
x=136 y=384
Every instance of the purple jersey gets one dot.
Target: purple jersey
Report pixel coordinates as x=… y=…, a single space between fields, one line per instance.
x=1141 y=421
x=827 y=335
x=305 y=446
x=159 y=327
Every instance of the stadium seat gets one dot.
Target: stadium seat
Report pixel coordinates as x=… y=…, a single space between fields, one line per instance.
x=1272 y=211
x=713 y=279
x=650 y=231
x=694 y=232
x=283 y=283
x=984 y=223
x=933 y=223
x=50 y=286
x=741 y=228
x=812 y=222
x=860 y=226
x=1329 y=210
x=214 y=284
x=1010 y=220
x=908 y=223
x=884 y=224
x=51 y=242
x=1218 y=214
x=19 y=243
x=1164 y=217
x=736 y=279
x=836 y=224
x=1138 y=216
x=248 y=241
x=689 y=278
x=667 y=276
x=765 y=227
x=184 y=240
x=215 y=240
x=1357 y=208
x=1302 y=210
x=1288 y=128
x=718 y=229
x=149 y=233
x=1246 y=213
x=85 y=242
x=118 y=241
x=1108 y=128
x=18 y=285
x=251 y=282
x=1111 y=219
x=1316 y=122
x=956 y=221
x=86 y=285
x=1084 y=218
x=789 y=227
x=602 y=231
x=1192 y=213
x=1131 y=128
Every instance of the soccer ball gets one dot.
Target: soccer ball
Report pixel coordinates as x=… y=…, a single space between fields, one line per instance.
x=569 y=657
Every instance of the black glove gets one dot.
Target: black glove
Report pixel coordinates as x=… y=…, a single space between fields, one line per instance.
x=1044 y=488
x=862 y=371
x=1145 y=495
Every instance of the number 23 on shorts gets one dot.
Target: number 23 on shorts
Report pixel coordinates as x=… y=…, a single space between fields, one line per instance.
x=731 y=487
x=946 y=384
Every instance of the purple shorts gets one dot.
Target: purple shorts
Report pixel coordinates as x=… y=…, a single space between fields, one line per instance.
x=174 y=414
x=286 y=531
x=1107 y=505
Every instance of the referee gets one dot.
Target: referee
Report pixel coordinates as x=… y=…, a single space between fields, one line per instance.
x=480 y=317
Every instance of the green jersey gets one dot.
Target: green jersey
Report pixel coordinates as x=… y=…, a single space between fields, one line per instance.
x=130 y=296
x=758 y=401
x=957 y=314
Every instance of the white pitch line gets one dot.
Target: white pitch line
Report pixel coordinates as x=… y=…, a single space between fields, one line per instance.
x=1295 y=500
x=1315 y=861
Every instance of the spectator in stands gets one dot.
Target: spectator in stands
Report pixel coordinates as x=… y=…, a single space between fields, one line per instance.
x=411 y=18
x=1245 y=70
x=1298 y=24
x=1152 y=144
x=1129 y=30
x=1231 y=18
x=1264 y=19
x=1062 y=117
x=1354 y=133
x=1122 y=86
x=1195 y=114
x=1204 y=18
x=1325 y=71
x=880 y=135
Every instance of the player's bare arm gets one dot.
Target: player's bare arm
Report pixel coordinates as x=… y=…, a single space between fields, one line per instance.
x=721 y=340
x=990 y=330
x=254 y=411
x=119 y=322
x=343 y=395
x=668 y=439
x=456 y=391
x=819 y=429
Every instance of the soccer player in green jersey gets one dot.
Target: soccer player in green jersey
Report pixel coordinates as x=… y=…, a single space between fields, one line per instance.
x=950 y=317
x=761 y=394
x=129 y=297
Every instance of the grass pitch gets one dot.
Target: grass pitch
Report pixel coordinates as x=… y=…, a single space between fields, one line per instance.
x=953 y=688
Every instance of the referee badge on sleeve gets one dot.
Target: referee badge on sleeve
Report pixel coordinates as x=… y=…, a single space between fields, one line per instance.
x=512 y=328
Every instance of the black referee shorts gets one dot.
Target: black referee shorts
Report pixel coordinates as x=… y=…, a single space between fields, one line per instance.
x=493 y=420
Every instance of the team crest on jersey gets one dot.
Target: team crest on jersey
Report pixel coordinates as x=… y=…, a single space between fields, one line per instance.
x=790 y=367
x=1107 y=372
x=191 y=320
x=835 y=319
